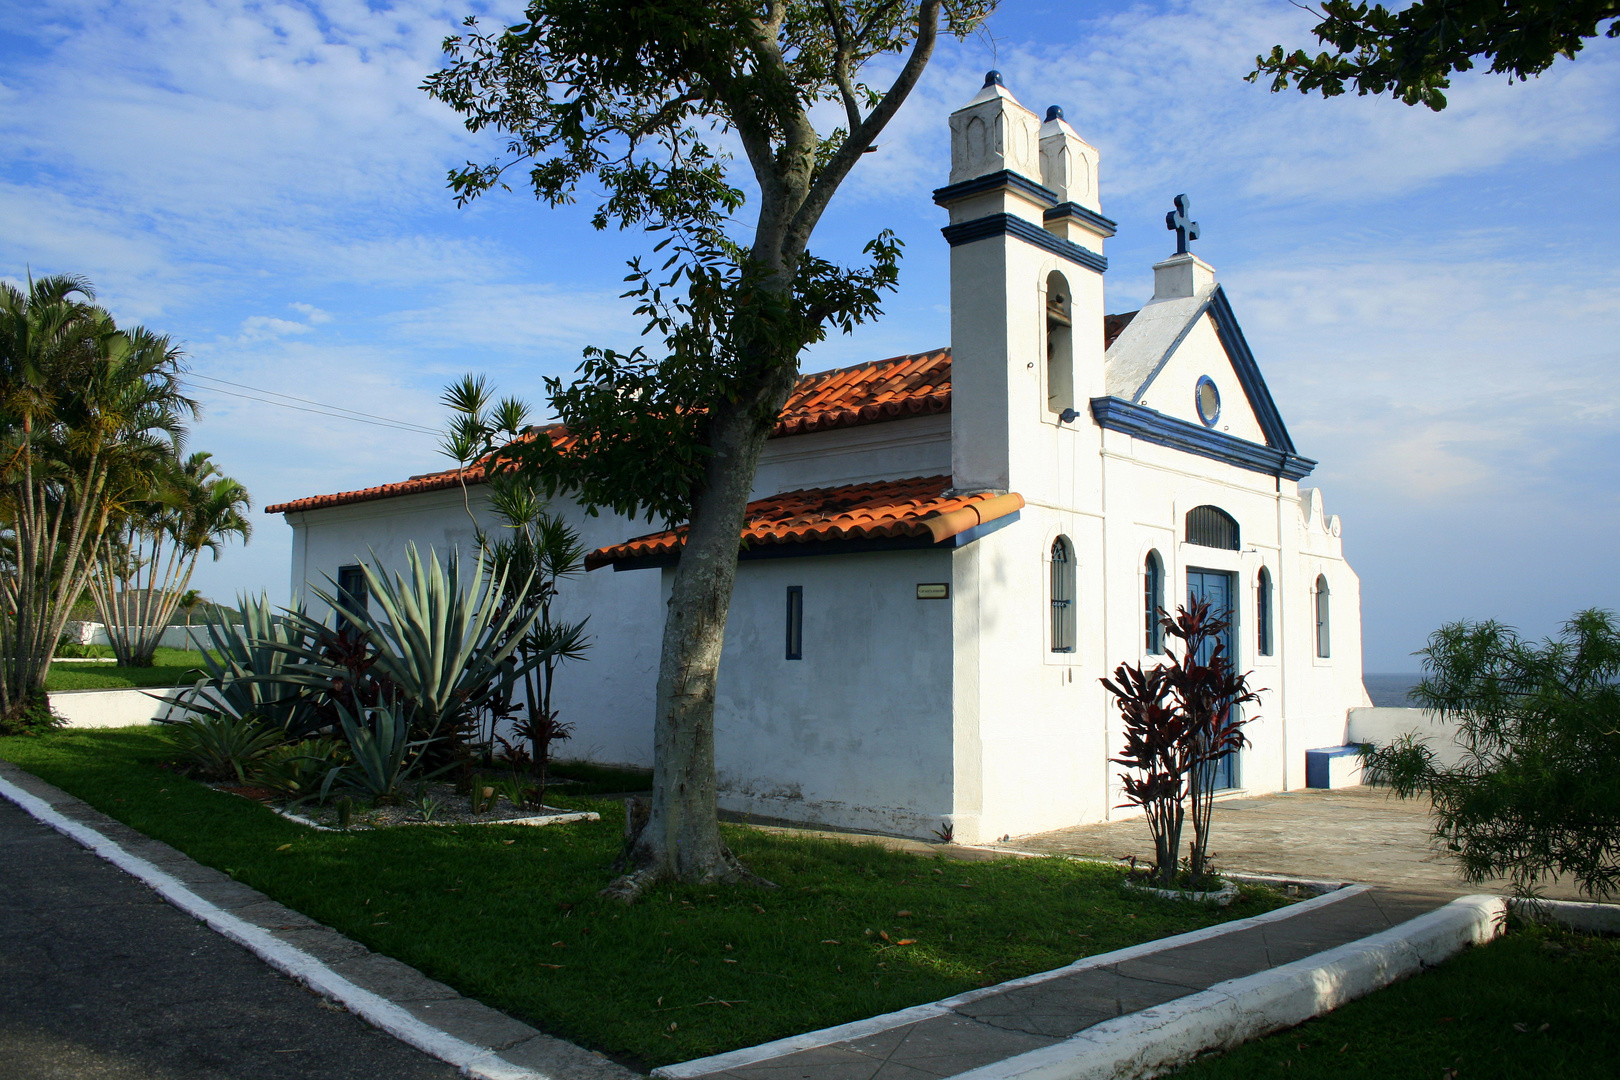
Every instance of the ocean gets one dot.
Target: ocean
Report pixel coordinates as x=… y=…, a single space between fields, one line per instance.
x=1389 y=689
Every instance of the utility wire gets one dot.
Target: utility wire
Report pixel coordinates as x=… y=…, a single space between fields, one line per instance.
x=308 y=401
x=332 y=411
x=317 y=412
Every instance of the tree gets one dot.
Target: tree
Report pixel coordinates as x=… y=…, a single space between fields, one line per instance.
x=149 y=551
x=635 y=96
x=1537 y=792
x=1412 y=52
x=86 y=410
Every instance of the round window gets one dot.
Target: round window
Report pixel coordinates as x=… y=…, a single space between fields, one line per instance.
x=1209 y=401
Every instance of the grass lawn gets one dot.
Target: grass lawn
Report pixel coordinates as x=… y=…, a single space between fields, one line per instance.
x=510 y=915
x=1536 y=1003
x=172 y=667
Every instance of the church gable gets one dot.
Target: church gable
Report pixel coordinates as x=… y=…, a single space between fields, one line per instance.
x=1186 y=358
x=1179 y=385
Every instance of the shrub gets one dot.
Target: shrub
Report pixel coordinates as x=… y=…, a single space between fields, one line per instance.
x=1537 y=793
x=1179 y=719
x=296 y=770
x=221 y=747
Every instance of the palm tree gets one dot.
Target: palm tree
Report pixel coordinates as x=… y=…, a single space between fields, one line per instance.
x=86 y=411
x=147 y=558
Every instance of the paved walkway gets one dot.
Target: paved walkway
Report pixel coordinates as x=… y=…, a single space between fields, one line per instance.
x=1361 y=834
x=100 y=979
x=994 y=1024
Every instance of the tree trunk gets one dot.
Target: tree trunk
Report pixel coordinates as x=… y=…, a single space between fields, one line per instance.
x=681 y=838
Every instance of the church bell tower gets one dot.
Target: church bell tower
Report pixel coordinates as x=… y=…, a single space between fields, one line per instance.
x=1026 y=234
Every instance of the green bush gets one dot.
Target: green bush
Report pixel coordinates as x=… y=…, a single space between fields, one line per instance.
x=221 y=747
x=1537 y=792
x=296 y=770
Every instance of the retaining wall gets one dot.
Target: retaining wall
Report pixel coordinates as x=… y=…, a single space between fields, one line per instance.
x=1382 y=726
x=113 y=708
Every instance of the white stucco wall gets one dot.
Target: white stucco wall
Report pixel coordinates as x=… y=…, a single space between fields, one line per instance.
x=857 y=733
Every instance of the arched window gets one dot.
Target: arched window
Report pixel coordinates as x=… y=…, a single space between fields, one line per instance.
x=1152 y=602
x=1262 y=612
x=1210 y=526
x=1063 y=613
x=1323 y=627
x=1059 y=344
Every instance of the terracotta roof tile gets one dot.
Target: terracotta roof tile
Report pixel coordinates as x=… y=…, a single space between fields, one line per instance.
x=871 y=393
x=916 y=507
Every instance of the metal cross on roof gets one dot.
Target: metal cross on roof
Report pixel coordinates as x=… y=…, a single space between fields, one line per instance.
x=1180 y=221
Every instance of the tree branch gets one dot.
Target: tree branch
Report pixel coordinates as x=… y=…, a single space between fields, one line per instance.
x=863 y=136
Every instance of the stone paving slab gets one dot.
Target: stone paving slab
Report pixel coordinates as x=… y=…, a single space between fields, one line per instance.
x=992 y=1025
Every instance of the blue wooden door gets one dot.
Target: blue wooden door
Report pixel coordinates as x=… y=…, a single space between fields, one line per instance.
x=1215 y=587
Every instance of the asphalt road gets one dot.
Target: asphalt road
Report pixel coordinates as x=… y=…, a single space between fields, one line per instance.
x=100 y=979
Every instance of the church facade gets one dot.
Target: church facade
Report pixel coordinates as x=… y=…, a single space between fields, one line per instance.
x=948 y=550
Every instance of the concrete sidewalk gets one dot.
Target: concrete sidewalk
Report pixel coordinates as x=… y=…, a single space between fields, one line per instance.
x=998 y=1023
x=100 y=979
x=1362 y=834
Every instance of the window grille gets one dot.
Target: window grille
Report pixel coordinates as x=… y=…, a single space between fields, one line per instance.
x=1262 y=613
x=1152 y=603
x=1210 y=526
x=1063 y=589
x=1323 y=622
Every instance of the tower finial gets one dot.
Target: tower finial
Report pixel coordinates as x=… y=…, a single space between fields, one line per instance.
x=1180 y=222
x=1055 y=112
x=993 y=78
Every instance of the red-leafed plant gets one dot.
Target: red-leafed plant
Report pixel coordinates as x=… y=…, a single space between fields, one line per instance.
x=1207 y=694
x=1180 y=719
x=1155 y=747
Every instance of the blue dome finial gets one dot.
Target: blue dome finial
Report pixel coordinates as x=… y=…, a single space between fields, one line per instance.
x=1054 y=113
x=993 y=78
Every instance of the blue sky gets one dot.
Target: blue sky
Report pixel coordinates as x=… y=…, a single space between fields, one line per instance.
x=1434 y=298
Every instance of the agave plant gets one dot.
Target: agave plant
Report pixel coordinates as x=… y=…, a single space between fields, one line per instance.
x=250 y=673
x=447 y=644
x=384 y=756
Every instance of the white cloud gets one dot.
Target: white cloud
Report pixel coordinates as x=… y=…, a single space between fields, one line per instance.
x=263 y=327
x=314 y=314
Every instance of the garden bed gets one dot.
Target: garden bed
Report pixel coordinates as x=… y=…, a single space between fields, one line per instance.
x=511 y=916
x=1537 y=1002
x=432 y=804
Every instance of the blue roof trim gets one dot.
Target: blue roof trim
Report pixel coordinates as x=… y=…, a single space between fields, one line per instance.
x=1010 y=225
x=1150 y=425
x=1248 y=373
x=995 y=181
x=1088 y=217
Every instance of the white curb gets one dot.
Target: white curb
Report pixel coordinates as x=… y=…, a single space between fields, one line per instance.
x=1584 y=917
x=1156 y=1040
x=873 y=1025
x=475 y=1061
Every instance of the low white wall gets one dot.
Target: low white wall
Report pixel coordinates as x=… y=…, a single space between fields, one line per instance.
x=1382 y=726
x=174 y=637
x=112 y=708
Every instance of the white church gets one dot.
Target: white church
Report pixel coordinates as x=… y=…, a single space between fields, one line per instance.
x=948 y=550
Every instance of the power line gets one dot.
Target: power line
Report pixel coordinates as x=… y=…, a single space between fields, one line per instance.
x=334 y=412
x=329 y=415
x=308 y=401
